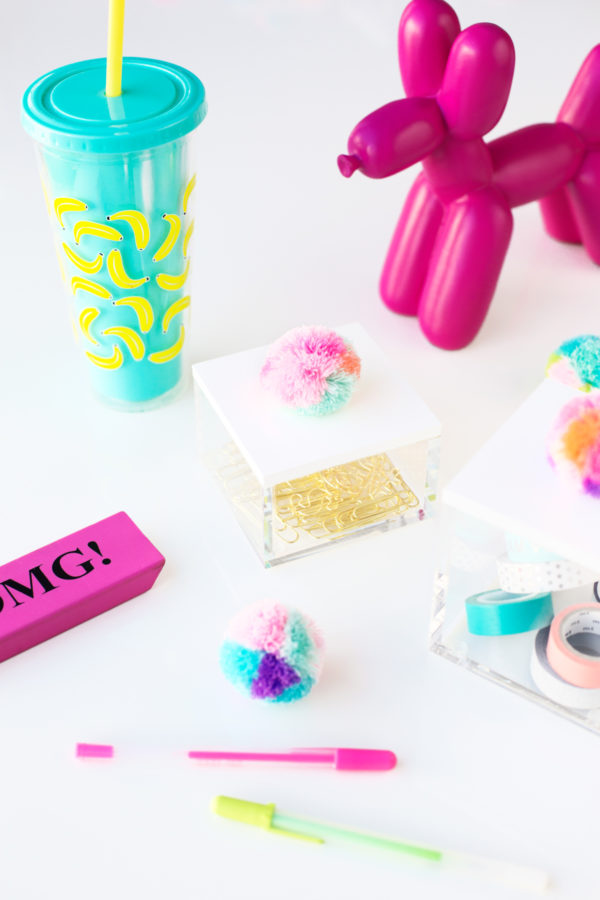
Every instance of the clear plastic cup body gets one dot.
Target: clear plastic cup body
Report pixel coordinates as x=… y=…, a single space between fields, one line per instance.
x=122 y=224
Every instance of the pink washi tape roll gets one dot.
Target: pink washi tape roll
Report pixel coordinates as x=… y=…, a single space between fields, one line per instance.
x=574 y=645
x=77 y=577
x=550 y=683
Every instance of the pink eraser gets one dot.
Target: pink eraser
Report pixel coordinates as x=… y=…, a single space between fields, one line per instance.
x=94 y=751
x=74 y=579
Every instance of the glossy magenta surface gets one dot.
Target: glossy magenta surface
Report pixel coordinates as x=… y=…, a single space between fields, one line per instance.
x=449 y=245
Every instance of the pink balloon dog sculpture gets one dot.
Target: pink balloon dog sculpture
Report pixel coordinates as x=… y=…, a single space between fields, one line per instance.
x=448 y=248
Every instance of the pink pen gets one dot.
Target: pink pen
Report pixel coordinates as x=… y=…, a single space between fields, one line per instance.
x=343 y=759
x=340 y=758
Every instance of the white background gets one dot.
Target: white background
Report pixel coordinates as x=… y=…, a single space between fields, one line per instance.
x=282 y=239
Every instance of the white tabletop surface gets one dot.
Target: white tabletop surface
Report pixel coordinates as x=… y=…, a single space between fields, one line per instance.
x=282 y=239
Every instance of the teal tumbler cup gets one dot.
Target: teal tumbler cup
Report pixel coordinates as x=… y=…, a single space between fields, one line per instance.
x=118 y=178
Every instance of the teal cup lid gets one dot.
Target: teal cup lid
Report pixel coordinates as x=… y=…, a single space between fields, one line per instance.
x=68 y=109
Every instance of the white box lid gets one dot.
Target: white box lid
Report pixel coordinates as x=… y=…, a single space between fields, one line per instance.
x=510 y=483
x=280 y=444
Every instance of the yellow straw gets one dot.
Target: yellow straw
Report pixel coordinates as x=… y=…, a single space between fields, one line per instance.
x=114 y=59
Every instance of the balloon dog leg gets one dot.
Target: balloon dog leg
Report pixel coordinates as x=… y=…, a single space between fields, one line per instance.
x=407 y=261
x=465 y=265
x=584 y=197
x=558 y=217
x=581 y=110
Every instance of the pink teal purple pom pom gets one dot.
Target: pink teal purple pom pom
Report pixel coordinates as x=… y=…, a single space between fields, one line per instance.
x=311 y=369
x=574 y=443
x=272 y=652
x=577 y=363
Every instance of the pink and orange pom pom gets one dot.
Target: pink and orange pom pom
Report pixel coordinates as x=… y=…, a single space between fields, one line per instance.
x=311 y=369
x=574 y=443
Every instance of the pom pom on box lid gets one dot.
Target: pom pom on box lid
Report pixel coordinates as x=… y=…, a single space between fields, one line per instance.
x=574 y=443
x=311 y=369
x=576 y=362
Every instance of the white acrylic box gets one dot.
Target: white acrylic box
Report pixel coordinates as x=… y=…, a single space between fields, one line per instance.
x=508 y=521
x=298 y=483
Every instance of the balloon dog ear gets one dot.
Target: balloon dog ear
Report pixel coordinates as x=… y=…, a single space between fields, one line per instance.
x=477 y=80
x=426 y=33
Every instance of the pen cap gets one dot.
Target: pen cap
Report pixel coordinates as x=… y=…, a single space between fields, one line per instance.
x=260 y=814
x=347 y=759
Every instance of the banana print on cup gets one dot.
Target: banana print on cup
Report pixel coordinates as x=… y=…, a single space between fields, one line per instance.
x=127 y=272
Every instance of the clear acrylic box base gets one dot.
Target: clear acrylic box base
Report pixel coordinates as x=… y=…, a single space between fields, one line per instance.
x=509 y=523
x=298 y=484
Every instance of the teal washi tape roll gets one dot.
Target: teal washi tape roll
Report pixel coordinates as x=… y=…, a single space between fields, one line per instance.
x=497 y=612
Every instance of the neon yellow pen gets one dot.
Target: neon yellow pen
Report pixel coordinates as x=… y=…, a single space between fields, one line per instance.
x=264 y=816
